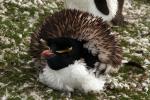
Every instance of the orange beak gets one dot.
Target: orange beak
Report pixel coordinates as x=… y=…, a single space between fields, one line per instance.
x=47 y=53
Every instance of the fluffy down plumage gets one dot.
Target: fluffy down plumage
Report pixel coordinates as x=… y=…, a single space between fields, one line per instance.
x=75 y=76
x=83 y=27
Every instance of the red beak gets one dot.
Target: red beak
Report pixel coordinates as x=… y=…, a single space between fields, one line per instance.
x=47 y=53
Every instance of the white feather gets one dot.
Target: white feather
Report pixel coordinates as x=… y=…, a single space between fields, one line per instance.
x=89 y=6
x=75 y=76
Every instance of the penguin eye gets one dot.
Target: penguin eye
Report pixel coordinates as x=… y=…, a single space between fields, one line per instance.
x=65 y=50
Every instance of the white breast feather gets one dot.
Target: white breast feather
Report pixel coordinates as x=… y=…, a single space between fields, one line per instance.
x=89 y=6
x=75 y=76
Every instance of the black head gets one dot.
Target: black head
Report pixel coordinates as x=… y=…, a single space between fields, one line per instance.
x=65 y=51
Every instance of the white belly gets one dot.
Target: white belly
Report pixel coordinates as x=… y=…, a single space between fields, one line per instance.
x=75 y=76
x=89 y=6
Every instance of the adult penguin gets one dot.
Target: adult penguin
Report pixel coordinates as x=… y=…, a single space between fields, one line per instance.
x=73 y=49
x=109 y=10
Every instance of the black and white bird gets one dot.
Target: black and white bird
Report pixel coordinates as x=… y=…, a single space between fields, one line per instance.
x=109 y=10
x=73 y=48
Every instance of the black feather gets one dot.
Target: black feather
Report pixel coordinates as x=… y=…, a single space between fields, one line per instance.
x=60 y=61
x=102 y=6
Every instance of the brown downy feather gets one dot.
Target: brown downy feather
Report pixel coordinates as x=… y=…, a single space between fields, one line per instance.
x=81 y=26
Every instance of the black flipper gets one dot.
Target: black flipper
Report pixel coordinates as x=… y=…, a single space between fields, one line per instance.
x=101 y=5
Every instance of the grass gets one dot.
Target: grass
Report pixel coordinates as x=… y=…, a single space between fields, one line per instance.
x=18 y=77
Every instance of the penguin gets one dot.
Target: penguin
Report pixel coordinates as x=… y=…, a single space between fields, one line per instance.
x=74 y=50
x=109 y=10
